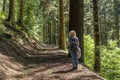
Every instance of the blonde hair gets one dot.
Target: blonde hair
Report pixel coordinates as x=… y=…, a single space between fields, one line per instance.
x=72 y=34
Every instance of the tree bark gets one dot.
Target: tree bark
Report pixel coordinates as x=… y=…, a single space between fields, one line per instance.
x=116 y=22
x=97 y=63
x=62 y=28
x=4 y=5
x=11 y=9
x=20 y=20
x=44 y=25
x=76 y=15
x=11 y=15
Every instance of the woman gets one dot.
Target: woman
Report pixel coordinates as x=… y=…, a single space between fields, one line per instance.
x=72 y=35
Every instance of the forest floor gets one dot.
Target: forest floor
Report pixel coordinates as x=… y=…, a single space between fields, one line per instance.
x=20 y=61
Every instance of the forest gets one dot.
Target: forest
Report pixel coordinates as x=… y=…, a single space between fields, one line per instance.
x=48 y=22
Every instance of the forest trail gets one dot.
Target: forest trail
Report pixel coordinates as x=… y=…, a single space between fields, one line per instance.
x=22 y=62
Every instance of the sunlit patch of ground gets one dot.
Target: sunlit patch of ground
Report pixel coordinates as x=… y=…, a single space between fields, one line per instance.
x=39 y=64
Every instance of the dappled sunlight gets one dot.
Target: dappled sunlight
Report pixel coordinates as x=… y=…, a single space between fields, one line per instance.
x=51 y=63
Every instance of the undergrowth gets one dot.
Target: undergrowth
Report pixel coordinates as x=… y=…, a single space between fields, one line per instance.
x=110 y=64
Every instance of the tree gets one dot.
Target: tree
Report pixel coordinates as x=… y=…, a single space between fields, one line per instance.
x=20 y=20
x=11 y=10
x=76 y=22
x=96 y=37
x=116 y=21
x=62 y=28
x=11 y=15
x=4 y=5
x=103 y=25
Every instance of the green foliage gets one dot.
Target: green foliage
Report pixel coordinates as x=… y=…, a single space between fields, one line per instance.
x=110 y=67
x=2 y=28
x=110 y=64
x=2 y=15
x=89 y=51
x=33 y=20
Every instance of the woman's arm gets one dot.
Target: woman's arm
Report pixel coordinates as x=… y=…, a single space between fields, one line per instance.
x=78 y=43
x=68 y=43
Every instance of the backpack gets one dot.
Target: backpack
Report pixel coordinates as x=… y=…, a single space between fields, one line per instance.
x=73 y=45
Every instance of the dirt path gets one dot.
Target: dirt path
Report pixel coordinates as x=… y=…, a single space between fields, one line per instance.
x=52 y=65
x=45 y=64
x=55 y=65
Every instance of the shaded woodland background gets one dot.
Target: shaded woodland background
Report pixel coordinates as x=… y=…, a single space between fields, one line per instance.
x=97 y=23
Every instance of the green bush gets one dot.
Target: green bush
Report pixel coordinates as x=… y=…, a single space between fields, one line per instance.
x=89 y=51
x=2 y=15
x=110 y=64
x=110 y=56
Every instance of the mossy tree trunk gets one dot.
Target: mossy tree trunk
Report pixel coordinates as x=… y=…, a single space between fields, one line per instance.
x=20 y=19
x=116 y=33
x=62 y=28
x=11 y=15
x=4 y=5
x=97 y=63
x=103 y=23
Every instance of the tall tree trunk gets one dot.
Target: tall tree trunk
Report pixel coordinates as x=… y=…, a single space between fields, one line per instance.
x=44 y=33
x=57 y=33
x=44 y=25
x=54 y=33
x=88 y=30
x=48 y=31
x=46 y=41
x=116 y=22
x=11 y=9
x=4 y=5
x=103 y=23
x=62 y=28
x=76 y=22
x=20 y=20
x=11 y=16
x=104 y=28
x=96 y=37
